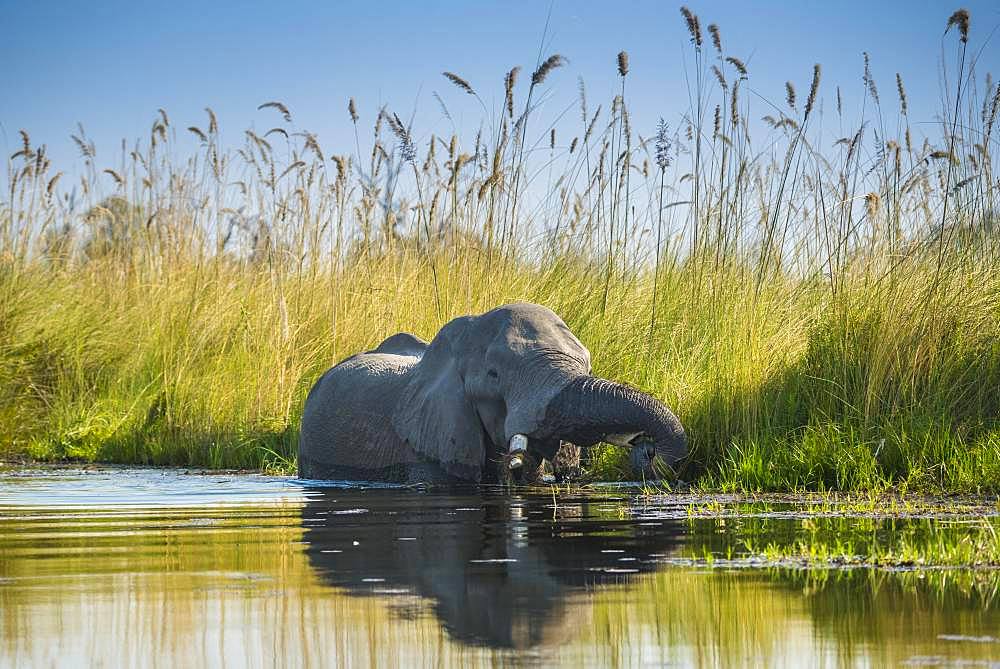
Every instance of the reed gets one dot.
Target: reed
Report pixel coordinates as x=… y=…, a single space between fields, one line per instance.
x=820 y=314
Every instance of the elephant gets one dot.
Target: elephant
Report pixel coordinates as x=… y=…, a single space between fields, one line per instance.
x=488 y=389
x=497 y=570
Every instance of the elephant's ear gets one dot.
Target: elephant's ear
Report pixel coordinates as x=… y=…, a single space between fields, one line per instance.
x=435 y=417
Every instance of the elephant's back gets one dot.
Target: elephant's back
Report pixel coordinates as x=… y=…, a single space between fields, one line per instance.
x=346 y=422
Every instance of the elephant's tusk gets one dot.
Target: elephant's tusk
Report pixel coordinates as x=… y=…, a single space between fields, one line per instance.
x=517 y=449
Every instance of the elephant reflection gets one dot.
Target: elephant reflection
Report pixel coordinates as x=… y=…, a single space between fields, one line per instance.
x=498 y=570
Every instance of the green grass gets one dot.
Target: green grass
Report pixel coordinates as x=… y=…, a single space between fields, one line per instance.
x=767 y=539
x=825 y=316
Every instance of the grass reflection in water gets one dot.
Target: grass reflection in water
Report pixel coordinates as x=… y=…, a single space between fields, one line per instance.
x=393 y=577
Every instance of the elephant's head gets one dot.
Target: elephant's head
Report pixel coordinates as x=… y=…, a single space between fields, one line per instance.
x=517 y=372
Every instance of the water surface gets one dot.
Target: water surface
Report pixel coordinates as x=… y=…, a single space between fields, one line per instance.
x=137 y=567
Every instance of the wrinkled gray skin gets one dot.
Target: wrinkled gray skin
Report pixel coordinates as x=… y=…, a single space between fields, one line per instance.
x=409 y=411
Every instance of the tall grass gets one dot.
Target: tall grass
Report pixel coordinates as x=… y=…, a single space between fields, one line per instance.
x=820 y=312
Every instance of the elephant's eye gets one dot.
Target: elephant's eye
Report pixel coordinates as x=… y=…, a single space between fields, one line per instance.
x=493 y=374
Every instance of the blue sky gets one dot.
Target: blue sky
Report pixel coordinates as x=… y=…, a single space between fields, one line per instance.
x=110 y=65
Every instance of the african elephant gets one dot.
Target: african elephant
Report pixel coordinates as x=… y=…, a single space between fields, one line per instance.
x=514 y=378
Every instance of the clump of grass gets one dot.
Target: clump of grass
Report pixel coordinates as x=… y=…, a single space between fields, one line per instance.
x=976 y=544
x=821 y=315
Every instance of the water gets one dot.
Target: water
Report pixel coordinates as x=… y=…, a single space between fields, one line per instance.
x=131 y=567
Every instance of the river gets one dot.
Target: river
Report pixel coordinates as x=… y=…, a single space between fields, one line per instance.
x=151 y=567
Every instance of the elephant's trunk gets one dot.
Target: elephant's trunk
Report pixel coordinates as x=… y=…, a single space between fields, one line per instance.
x=590 y=409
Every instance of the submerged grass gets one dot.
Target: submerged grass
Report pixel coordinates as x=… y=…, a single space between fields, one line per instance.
x=820 y=319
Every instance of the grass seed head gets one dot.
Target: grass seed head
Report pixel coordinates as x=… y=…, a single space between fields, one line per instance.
x=551 y=63
x=282 y=109
x=960 y=19
x=508 y=83
x=716 y=37
x=693 y=26
x=738 y=64
x=813 y=90
x=459 y=81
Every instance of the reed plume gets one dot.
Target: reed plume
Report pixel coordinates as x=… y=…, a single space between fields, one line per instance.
x=734 y=106
x=738 y=64
x=551 y=63
x=663 y=145
x=868 y=79
x=693 y=26
x=459 y=82
x=720 y=78
x=509 y=82
x=118 y=179
x=213 y=123
x=960 y=19
x=282 y=109
x=994 y=108
x=716 y=37
x=593 y=122
x=622 y=63
x=52 y=184
x=813 y=90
